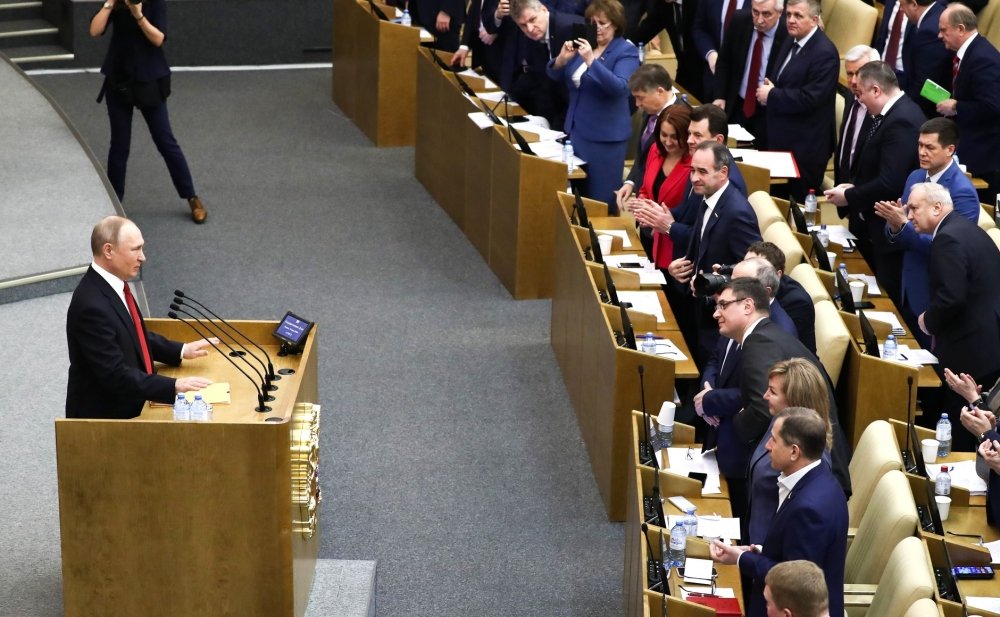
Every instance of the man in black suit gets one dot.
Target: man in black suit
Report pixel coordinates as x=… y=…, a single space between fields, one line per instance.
x=856 y=120
x=891 y=36
x=790 y=294
x=486 y=52
x=964 y=311
x=989 y=449
x=798 y=95
x=677 y=18
x=924 y=57
x=712 y=23
x=725 y=226
x=442 y=18
x=111 y=353
x=753 y=35
x=974 y=103
x=880 y=169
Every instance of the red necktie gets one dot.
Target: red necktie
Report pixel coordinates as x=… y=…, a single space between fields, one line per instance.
x=730 y=9
x=750 y=96
x=892 y=48
x=954 y=73
x=137 y=321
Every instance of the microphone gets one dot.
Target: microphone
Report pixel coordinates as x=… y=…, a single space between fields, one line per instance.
x=266 y=378
x=653 y=567
x=646 y=453
x=665 y=574
x=909 y=425
x=652 y=504
x=270 y=367
x=262 y=408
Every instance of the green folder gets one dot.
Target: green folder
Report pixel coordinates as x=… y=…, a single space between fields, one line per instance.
x=934 y=93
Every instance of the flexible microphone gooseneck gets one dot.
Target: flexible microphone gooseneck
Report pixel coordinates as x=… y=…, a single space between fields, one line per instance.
x=646 y=453
x=262 y=408
x=653 y=567
x=909 y=421
x=270 y=367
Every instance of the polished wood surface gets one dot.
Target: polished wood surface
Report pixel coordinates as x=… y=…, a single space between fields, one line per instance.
x=172 y=519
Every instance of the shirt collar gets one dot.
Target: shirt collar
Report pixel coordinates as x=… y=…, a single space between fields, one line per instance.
x=749 y=329
x=802 y=42
x=116 y=283
x=965 y=47
x=888 y=104
x=936 y=178
x=789 y=482
x=716 y=196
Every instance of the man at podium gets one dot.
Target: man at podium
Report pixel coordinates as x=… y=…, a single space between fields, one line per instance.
x=111 y=353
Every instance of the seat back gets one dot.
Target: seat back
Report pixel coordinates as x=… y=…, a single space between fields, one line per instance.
x=876 y=454
x=781 y=234
x=890 y=517
x=832 y=339
x=985 y=220
x=850 y=23
x=924 y=607
x=994 y=234
x=806 y=275
x=765 y=209
x=908 y=577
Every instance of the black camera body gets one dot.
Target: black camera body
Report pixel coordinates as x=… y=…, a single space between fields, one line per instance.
x=708 y=284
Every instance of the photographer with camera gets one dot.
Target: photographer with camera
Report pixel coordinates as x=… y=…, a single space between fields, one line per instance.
x=136 y=75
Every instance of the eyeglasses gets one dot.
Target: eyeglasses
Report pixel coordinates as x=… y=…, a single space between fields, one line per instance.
x=724 y=304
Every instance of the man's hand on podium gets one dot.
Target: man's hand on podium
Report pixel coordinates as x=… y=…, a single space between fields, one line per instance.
x=191 y=384
x=197 y=349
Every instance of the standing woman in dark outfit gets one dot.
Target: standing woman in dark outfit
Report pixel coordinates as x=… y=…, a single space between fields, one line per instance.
x=136 y=74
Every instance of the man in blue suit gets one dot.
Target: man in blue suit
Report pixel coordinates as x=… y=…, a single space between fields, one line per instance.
x=723 y=229
x=811 y=521
x=799 y=96
x=974 y=102
x=924 y=57
x=935 y=147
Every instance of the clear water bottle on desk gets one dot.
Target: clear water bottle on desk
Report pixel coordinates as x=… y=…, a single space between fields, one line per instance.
x=843 y=271
x=567 y=155
x=943 y=435
x=642 y=53
x=649 y=344
x=824 y=236
x=199 y=409
x=889 y=348
x=182 y=410
x=406 y=20
x=942 y=484
x=666 y=432
x=676 y=553
x=691 y=523
x=812 y=208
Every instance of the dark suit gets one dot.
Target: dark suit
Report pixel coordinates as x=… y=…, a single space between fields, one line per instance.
x=678 y=21
x=917 y=247
x=964 y=310
x=811 y=524
x=486 y=56
x=687 y=212
x=706 y=31
x=925 y=57
x=731 y=64
x=425 y=12
x=993 y=489
x=107 y=377
x=849 y=129
x=800 y=109
x=880 y=169
x=978 y=108
x=797 y=303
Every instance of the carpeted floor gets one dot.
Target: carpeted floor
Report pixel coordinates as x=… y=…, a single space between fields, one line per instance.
x=450 y=450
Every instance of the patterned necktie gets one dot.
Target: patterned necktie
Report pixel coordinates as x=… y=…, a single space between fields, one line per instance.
x=954 y=73
x=648 y=132
x=876 y=122
x=848 y=144
x=137 y=322
x=750 y=96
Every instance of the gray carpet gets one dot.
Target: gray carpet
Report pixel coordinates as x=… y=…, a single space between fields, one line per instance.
x=450 y=451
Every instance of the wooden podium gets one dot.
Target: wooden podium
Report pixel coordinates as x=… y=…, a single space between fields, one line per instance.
x=183 y=519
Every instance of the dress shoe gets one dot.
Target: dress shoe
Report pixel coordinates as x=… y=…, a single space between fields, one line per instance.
x=198 y=212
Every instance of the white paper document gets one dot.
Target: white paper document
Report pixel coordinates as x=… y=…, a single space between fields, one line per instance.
x=737 y=132
x=683 y=461
x=666 y=348
x=963 y=475
x=479 y=118
x=714 y=526
x=720 y=592
x=645 y=302
x=994 y=549
x=544 y=134
x=887 y=317
x=488 y=84
x=984 y=603
x=493 y=97
x=552 y=150
x=838 y=234
x=868 y=279
x=620 y=233
x=781 y=164
x=698 y=571
x=648 y=275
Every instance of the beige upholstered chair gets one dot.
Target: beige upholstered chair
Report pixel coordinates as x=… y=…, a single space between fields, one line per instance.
x=924 y=607
x=876 y=454
x=994 y=233
x=890 y=517
x=806 y=275
x=849 y=23
x=765 y=209
x=908 y=578
x=985 y=220
x=832 y=339
x=781 y=234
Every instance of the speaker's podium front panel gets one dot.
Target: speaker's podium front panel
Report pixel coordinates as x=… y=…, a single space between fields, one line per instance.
x=184 y=519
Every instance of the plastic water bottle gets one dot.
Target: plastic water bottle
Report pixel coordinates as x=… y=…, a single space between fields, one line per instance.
x=182 y=410
x=666 y=435
x=889 y=348
x=642 y=53
x=406 y=20
x=811 y=207
x=824 y=236
x=567 y=155
x=684 y=99
x=678 y=545
x=843 y=271
x=691 y=523
x=649 y=344
x=943 y=435
x=942 y=485
x=199 y=409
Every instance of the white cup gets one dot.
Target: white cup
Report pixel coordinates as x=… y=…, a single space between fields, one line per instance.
x=604 y=241
x=857 y=290
x=833 y=260
x=929 y=448
x=943 y=506
x=667 y=411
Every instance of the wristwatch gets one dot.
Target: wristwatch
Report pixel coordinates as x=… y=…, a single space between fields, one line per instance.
x=108 y=5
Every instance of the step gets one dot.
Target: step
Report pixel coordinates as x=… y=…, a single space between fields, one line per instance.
x=40 y=56
x=25 y=32
x=10 y=10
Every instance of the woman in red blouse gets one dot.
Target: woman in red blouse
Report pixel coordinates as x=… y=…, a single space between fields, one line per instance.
x=668 y=165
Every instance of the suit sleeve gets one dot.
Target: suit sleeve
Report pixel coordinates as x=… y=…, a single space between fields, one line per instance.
x=984 y=104
x=898 y=144
x=758 y=356
x=810 y=538
x=613 y=81
x=704 y=41
x=487 y=13
x=948 y=271
x=811 y=95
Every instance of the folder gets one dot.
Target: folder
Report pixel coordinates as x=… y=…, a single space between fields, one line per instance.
x=934 y=93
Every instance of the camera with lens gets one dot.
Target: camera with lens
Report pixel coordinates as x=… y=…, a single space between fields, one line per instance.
x=708 y=284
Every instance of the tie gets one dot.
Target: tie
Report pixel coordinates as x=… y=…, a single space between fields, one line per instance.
x=847 y=144
x=730 y=9
x=137 y=321
x=892 y=47
x=695 y=241
x=954 y=73
x=750 y=96
x=876 y=122
x=648 y=132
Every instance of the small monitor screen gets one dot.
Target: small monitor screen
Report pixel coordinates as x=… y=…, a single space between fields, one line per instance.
x=293 y=329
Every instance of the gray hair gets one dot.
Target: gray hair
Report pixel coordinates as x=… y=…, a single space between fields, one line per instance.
x=861 y=51
x=934 y=193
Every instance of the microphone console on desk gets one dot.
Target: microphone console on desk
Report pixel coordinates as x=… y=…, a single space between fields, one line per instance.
x=653 y=566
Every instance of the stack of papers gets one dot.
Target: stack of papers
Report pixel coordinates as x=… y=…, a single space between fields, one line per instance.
x=994 y=549
x=963 y=475
x=712 y=526
x=698 y=571
x=648 y=275
x=683 y=461
x=486 y=81
x=737 y=132
x=870 y=280
x=619 y=233
x=645 y=302
x=890 y=318
x=665 y=347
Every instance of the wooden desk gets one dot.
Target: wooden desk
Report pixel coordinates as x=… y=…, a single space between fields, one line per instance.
x=374 y=72
x=172 y=519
